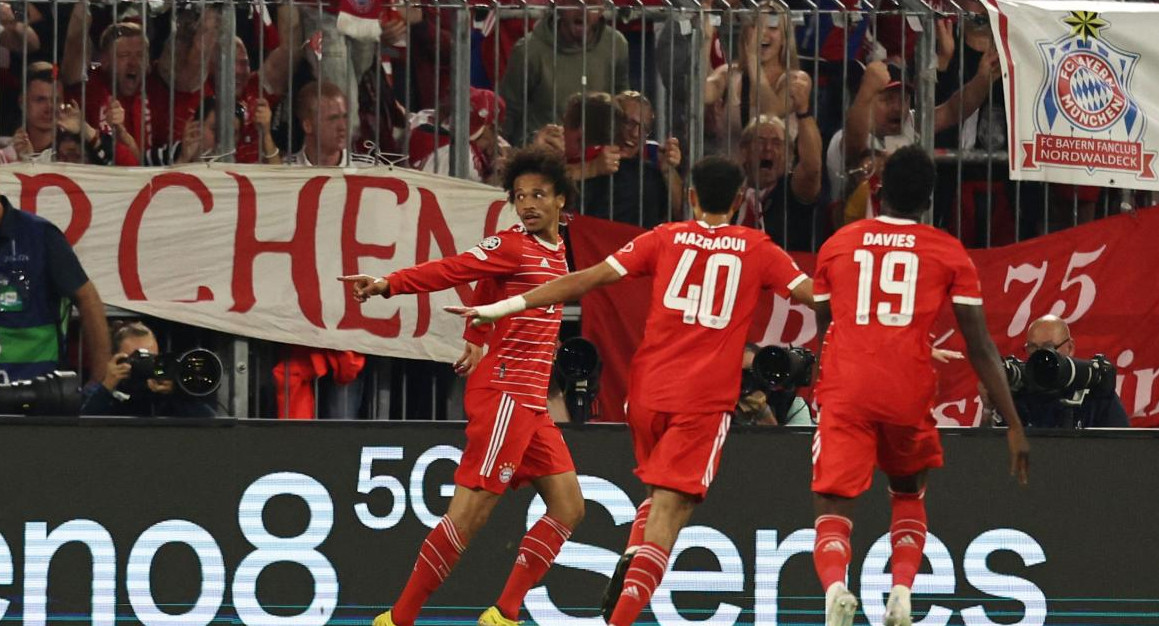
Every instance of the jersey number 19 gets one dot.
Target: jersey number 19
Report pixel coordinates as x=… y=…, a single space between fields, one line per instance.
x=889 y=283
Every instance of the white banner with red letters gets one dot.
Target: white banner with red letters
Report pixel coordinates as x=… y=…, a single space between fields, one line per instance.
x=255 y=251
x=1081 y=105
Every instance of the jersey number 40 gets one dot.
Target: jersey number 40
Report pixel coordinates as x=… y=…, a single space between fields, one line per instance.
x=888 y=282
x=699 y=300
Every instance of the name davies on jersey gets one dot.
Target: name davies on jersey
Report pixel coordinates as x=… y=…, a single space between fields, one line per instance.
x=893 y=240
x=711 y=243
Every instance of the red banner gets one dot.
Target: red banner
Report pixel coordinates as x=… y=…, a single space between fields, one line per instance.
x=1097 y=277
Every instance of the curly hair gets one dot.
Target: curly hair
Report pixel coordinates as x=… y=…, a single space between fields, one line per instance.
x=538 y=160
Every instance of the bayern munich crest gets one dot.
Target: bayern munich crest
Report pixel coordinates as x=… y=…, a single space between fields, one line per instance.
x=1086 y=117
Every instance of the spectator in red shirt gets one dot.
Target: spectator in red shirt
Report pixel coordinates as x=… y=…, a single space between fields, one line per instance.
x=120 y=76
x=178 y=81
x=258 y=92
x=430 y=147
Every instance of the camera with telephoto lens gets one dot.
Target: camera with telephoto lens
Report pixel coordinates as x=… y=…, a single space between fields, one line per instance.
x=1054 y=373
x=775 y=367
x=1048 y=373
x=55 y=393
x=197 y=372
x=577 y=371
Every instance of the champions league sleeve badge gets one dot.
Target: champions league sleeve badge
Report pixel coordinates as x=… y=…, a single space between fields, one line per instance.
x=1085 y=116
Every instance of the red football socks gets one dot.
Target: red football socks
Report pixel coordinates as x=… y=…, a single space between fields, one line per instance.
x=907 y=535
x=636 y=538
x=644 y=575
x=831 y=552
x=437 y=557
x=537 y=551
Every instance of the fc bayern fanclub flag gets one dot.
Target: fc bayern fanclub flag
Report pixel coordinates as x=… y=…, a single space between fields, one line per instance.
x=1078 y=98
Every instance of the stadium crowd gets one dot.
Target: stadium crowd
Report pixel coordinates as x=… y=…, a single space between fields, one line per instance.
x=126 y=83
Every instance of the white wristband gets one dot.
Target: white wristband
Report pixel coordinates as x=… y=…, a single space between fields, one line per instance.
x=502 y=308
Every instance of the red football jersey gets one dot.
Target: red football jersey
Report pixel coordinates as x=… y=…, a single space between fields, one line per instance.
x=886 y=280
x=708 y=280
x=521 y=347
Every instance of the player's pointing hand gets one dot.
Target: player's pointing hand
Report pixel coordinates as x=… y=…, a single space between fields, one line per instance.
x=364 y=286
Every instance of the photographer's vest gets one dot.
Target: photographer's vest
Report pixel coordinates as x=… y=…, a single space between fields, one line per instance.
x=31 y=316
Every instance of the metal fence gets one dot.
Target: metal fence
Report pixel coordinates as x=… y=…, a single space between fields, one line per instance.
x=631 y=91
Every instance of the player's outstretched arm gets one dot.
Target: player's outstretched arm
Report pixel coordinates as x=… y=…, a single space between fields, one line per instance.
x=984 y=357
x=563 y=289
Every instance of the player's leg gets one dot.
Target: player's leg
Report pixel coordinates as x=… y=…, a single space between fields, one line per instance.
x=906 y=454
x=670 y=512
x=541 y=544
x=907 y=536
x=481 y=478
x=440 y=551
x=635 y=540
x=832 y=553
x=645 y=427
x=843 y=452
x=547 y=464
x=679 y=468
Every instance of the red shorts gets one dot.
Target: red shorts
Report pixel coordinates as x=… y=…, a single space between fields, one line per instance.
x=678 y=451
x=846 y=449
x=508 y=444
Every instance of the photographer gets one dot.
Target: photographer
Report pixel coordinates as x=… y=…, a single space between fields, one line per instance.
x=762 y=403
x=126 y=392
x=1095 y=407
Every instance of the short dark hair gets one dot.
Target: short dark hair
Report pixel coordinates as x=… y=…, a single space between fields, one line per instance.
x=538 y=160
x=40 y=71
x=908 y=180
x=716 y=181
x=597 y=113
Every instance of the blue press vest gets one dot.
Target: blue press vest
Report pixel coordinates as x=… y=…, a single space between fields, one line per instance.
x=30 y=339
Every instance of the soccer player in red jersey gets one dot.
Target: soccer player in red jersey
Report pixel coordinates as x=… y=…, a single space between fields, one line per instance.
x=686 y=373
x=511 y=439
x=880 y=284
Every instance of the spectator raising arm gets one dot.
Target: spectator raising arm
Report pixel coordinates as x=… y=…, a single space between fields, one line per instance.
x=806 y=179
x=14 y=33
x=859 y=121
x=972 y=95
x=76 y=48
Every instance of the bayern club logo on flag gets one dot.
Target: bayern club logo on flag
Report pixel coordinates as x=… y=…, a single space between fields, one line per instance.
x=1086 y=117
